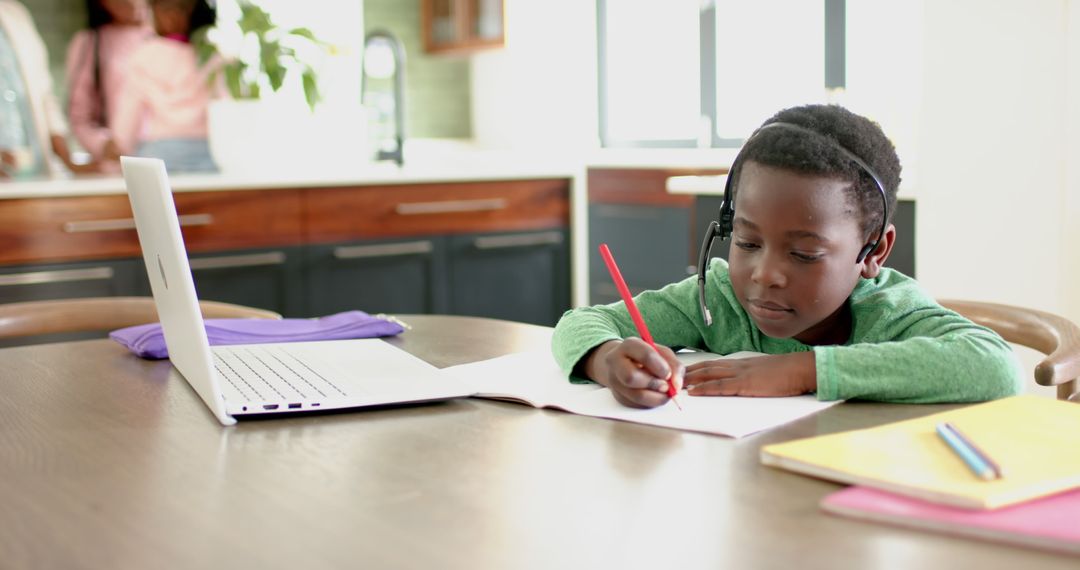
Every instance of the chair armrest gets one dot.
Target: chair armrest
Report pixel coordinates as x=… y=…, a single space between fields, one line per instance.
x=1055 y=336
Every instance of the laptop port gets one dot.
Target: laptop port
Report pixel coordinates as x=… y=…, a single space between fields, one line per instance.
x=294 y=406
x=315 y=405
x=270 y=406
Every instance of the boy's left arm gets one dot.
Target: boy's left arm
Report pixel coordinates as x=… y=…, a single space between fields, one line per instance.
x=936 y=356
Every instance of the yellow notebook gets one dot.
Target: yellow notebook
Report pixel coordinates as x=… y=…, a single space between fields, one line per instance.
x=1036 y=441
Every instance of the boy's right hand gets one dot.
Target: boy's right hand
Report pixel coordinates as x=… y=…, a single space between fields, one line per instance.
x=636 y=374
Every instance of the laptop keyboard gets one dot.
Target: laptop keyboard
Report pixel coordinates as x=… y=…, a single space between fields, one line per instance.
x=270 y=373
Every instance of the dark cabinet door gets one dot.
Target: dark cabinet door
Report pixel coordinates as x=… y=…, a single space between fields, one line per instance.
x=649 y=243
x=396 y=276
x=267 y=279
x=62 y=281
x=521 y=277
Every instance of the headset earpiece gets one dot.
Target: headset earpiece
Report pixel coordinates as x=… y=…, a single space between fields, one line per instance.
x=865 y=251
x=726 y=218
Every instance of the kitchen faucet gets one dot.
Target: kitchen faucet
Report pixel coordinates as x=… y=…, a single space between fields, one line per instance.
x=384 y=55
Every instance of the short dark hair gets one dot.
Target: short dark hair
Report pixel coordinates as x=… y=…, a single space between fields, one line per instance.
x=96 y=14
x=807 y=154
x=200 y=12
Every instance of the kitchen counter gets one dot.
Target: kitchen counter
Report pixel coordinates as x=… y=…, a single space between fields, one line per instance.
x=424 y=164
x=377 y=174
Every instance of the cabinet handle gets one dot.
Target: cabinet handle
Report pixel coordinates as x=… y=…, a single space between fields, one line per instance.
x=383 y=250
x=624 y=211
x=57 y=276
x=129 y=224
x=517 y=240
x=450 y=206
x=243 y=260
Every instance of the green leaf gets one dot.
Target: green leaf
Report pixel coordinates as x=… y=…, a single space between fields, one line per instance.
x=232 y=80
x=204 y=50
x=270 y=63
x=304 y=33
x=211 y=79
x=311 y=88
x=268 y=54
x=276 y=75
x=254 y=19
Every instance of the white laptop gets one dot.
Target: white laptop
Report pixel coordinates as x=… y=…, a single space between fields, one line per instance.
x=248 y=380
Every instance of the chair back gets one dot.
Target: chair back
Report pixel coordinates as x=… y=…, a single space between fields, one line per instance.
x=36 y=318
x=1054 y=336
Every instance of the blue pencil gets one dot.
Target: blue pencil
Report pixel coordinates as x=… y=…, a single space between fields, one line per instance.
x=998 y=471
x=971 y=457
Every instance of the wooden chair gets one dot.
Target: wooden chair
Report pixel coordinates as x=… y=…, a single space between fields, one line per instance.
x=1056 y=337
x=35 y=318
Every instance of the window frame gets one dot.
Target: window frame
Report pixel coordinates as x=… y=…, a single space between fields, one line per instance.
x=834 y=74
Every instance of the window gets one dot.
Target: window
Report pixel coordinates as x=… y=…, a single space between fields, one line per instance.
x=687 y=73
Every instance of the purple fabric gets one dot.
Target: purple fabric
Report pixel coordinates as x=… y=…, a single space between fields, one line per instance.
x=148 y=341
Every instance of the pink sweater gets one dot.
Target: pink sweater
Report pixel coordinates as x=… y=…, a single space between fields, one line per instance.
x=166 y=95
x=115 y=47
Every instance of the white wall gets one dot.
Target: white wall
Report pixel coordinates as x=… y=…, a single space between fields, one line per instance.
x=1070 y=214
x=983 y=97
x=539 y=92
x=992 y=151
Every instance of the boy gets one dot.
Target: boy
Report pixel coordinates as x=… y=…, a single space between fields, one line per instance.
x=804 y=285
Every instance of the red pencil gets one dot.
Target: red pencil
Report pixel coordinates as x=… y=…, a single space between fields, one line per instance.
x=635 y=314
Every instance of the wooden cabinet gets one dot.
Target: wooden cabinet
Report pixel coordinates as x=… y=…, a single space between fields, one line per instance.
x=650 y=232
x=460 y=26
x=100 y=227
x=36 y=233
x=102 y=278
x=390 y=276
x=521 y=276
x=493 y=248
x=265 y=278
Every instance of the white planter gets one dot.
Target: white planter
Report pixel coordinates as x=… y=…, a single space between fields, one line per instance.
x=281 y=136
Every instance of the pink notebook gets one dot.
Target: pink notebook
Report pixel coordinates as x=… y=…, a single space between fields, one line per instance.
x=1051 y=522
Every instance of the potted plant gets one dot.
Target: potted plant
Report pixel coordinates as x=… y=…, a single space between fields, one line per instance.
x=252 y=57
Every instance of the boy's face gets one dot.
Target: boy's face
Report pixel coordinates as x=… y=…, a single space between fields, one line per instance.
x=793 y=249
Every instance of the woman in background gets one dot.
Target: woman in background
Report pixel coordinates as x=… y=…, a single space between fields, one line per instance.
x=30 y=120
x=97 y=70
x=162 y=111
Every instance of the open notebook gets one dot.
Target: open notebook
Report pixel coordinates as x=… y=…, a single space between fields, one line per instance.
x=534 y=378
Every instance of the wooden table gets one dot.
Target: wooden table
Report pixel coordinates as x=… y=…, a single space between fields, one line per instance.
x=109 y=461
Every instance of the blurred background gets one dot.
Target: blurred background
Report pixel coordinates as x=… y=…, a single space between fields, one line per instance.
x=979 y=96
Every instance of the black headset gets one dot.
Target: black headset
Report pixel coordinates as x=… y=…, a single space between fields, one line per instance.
x=722 y=228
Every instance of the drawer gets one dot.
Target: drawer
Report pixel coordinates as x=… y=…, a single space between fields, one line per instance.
x=335 y=214
x=95 y=227
x=645 y=187
x=240 y=219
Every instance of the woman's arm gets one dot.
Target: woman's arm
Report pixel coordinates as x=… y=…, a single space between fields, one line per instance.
x=84 y=99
